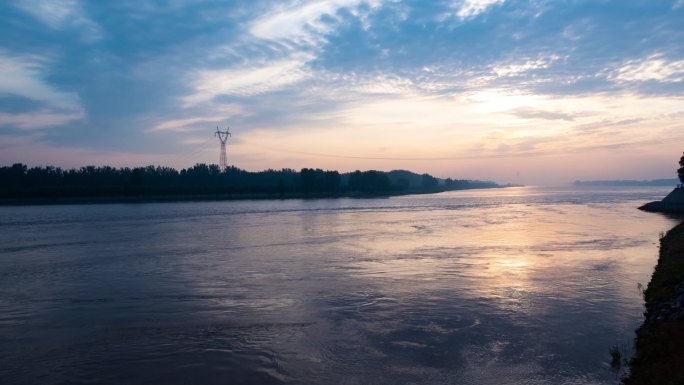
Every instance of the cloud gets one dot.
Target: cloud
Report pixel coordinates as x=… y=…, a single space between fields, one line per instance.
x=345 y=86
x=471 y=8
x=426 y=78
x=281 y=44
x=23 y=82
x=59 y=14
x=19 y=104
x=253 y=81
x=39 y=119
x=655 y=67
x=531 y=113
x=303 y=22
x=196 y=123
x=515 y=69
x=603 y=124
x=298 y=27
x=22 y=75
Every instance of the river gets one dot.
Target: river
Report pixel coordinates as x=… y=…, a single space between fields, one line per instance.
x=504 y=286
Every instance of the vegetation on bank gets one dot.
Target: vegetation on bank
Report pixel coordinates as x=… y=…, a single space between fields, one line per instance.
x=659 y=358
x=673 y=203
x=19 y=182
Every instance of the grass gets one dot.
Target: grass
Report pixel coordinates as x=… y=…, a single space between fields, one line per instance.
x=616 y=356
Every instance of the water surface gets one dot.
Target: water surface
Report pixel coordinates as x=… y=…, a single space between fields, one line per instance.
x=507 y=286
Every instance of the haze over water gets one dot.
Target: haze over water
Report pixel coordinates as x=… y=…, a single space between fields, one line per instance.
x=503 y=286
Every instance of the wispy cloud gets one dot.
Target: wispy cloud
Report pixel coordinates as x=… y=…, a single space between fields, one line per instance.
x=293 y=35
x=518 y=68
x=23 y=76
x=603 y=124
x=471 y=8
x=655 y=67
x=304 y=22
x=246 y=81
x=39 y=119
x=531 y=113
x=191 y=124
x=59 y=14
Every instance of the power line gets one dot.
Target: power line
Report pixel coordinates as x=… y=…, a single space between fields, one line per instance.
x=344 y=156
x=210 y=140
x=197 y=150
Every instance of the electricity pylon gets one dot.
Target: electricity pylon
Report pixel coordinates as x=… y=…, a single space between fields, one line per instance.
x=223 y=137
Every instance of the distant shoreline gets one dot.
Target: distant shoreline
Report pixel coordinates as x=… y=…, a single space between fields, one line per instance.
x=626 y=183
x=66 y=200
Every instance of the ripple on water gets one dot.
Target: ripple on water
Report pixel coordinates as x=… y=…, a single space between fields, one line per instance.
x=520 y=286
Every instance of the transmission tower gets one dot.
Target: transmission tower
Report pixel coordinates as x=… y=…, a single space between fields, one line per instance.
x=223 y=137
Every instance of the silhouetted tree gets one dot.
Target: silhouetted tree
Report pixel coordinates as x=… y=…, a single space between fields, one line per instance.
x=369 y=181
x=429 y=182
x=308 y=179
x=281 y=187
x=332 y=181
x=19 y=181
x=13 y=176
x=402 y=184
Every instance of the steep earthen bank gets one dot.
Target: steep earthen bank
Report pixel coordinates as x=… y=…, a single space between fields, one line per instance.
x=659 y=355
x=673 y=203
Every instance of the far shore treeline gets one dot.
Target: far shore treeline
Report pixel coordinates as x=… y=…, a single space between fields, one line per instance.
x=21 y=182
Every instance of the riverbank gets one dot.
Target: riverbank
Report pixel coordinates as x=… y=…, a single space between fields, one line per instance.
x=659 y=358
x=673 y=203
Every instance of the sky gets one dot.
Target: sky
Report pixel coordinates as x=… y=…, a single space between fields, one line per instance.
x=533 y=92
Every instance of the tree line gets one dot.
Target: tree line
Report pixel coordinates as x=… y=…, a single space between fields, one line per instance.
x=680 y=170
x=20 y=181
